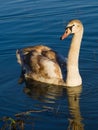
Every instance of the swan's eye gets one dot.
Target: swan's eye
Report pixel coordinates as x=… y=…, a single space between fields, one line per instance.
x=70 y=27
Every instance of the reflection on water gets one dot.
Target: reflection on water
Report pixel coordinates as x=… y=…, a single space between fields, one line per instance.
x=49 y=93
x=42 y=91
x=75 y=119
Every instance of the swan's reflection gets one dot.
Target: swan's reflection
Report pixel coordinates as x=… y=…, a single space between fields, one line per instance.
x=44 y=92
x=49 y=94
x=75 y=119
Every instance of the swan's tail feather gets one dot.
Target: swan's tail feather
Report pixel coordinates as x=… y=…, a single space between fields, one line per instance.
x=20 y=59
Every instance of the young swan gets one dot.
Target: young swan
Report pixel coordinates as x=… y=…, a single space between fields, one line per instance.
x=41 y=63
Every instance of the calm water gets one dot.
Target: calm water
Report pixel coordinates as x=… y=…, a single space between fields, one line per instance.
x=26 y=23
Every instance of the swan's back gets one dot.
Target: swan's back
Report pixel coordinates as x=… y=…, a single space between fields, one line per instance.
x=40 y=63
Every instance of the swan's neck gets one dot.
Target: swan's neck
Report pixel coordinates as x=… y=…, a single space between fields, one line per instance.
x=73 y=76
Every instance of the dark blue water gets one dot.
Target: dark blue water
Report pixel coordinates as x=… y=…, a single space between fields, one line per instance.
x=26 y=23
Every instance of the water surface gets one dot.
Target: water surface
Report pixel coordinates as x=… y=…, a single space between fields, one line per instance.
x=26 y=23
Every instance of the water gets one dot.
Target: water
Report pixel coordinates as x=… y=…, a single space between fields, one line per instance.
x=25 y=23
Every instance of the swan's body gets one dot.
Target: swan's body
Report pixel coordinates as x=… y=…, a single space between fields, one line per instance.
x=42 y=64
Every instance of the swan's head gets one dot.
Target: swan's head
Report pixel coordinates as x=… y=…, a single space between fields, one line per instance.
x=73 y=27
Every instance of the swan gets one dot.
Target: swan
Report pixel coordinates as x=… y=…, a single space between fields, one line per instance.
x=41 y=63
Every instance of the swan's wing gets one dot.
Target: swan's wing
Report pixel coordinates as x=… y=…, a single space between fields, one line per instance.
x=44 y=63
x=58 y=60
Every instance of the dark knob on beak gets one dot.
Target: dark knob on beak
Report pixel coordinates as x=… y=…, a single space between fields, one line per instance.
x=61 y=38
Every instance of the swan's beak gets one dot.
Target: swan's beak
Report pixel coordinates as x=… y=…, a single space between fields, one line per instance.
x=66 y=34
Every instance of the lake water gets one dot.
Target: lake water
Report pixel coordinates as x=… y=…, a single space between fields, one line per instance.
x=26 y=23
